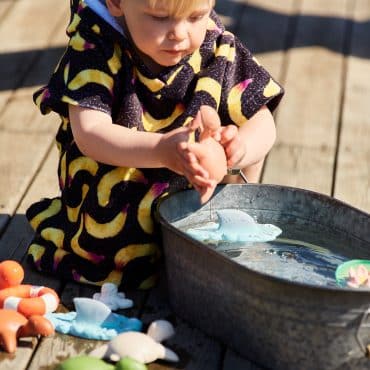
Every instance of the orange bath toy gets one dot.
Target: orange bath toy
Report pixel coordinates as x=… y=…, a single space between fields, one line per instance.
x=208 y=150
x=14 y=325
x=11 y=274
x=26 y=299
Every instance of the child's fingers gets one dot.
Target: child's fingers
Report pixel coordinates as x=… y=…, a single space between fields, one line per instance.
x=195 y=169
x=195 y=123
x=217 y=135
x=210 y=118
x=182 y=146
x=203 y=182
x=234 y=155
x=206 y=193
x=228 y=133
x=198 y=181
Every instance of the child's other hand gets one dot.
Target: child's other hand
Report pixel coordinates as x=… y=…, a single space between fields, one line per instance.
x=209 y=122
x=178 y=158
x=233 y=145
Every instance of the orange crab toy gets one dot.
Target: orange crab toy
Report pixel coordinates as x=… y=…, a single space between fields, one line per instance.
x=11 y=274
x=26 y=299
x=13 y=325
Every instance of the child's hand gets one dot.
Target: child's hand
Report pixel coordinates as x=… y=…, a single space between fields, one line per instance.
x=178 y=158
x=208 y=120
x=233 y=145
x=208 y=151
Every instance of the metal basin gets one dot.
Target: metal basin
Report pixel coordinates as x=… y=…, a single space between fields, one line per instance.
x=277 y=323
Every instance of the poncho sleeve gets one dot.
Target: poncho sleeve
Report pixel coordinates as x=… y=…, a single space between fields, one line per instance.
x=247 y=86
x=87 y=72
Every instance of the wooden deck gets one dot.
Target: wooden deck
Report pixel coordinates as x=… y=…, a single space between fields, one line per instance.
x=319 y=50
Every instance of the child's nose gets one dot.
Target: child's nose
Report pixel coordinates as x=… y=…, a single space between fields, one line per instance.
x=178 y=31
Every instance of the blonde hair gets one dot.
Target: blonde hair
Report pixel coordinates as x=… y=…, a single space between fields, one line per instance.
x=179 y=7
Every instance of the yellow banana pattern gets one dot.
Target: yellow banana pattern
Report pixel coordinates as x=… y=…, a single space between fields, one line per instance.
x=52 y=209
x=78 y=43
x=153 y=125
x=54 y=235
x=76 y=247
x=114 y=177
x=195 y=61
x=114 y=63
x=82 y=164
x=101 y=226
x=234 y=102
x=145 y=207
x=108 y=229
x=74 y=212
x=88 y=76
x=130 y=252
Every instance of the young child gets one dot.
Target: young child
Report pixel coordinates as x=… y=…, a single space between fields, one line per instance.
x=132 y=79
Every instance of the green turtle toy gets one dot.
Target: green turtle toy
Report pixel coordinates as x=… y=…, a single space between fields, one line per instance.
x=89 y=363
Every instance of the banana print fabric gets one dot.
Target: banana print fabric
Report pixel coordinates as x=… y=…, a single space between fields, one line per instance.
x=102 y=228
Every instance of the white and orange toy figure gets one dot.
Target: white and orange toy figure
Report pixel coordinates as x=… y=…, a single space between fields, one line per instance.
x=26 y=299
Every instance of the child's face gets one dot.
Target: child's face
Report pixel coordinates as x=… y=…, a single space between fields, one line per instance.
x=163 y=39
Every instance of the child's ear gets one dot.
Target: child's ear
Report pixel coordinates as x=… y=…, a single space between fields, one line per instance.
x=114 y=7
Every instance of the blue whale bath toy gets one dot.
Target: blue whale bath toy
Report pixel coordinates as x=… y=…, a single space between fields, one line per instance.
x=234 y=225
x=92 y=320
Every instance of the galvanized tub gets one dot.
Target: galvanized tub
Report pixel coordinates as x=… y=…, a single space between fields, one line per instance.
x=277 y=323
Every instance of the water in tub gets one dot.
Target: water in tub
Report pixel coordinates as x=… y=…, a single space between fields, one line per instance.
x=258 y=246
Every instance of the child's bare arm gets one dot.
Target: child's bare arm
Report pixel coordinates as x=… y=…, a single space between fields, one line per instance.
x=249 y=144
x=98 y=138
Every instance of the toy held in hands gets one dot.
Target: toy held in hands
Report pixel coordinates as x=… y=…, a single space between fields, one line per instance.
x=208 y=150
x=141 y=347
x=14 y=325
x=26 y=299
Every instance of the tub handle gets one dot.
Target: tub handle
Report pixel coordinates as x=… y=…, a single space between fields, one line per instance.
x=364 y=348
x=237 y=171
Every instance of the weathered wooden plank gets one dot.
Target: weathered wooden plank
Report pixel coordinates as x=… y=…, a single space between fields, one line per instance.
x=20 y=359
x=32 y=14
x=5 y=7
x=13 y=245
x=352 y=183
x=19 y=46
x=26 y=137
x=194 y=348
x=228 y=10
x=20 y=160
x=19 y=233
x=18 y=116
x=308 y=118
x=233 y=361
x=45 y=183
x=264 y=26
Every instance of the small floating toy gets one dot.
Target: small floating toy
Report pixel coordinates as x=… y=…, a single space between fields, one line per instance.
x=91 y=363
x=110 y=296
x=354 y=274
x=144 y=348
x=14 y=325
x=234 y=225
x=26 y=299
x=93 y=320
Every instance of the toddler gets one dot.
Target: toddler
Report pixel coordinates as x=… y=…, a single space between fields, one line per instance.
x=134 y=76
